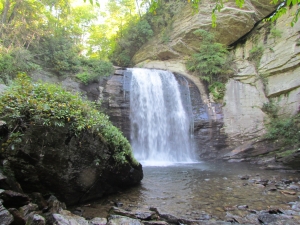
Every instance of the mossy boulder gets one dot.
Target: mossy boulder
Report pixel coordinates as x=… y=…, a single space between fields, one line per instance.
x=58 y=143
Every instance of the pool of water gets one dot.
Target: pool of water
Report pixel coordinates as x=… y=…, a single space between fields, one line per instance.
x=188 y=190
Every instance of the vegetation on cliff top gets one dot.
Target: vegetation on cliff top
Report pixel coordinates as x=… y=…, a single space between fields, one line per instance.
x=26 y=103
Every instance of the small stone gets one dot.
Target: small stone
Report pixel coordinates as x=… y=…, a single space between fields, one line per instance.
x=293 y=187
x=78 y=211
x=271 y=188
x=229 y=208
x=285 y=192
x=245 y=177
x=36 y=219
x=259 y=185
x=118 y=220
x=243 y=207
x=118 y=204
x=98 y=221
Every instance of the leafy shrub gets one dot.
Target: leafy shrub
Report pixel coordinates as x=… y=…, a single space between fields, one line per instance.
x=93 y=69
x=217 y=89
x=212 y=63
x=15 y=61
x=26 y=103
x=211 y=57
x=271 y=109
x=285 y=130
x=134 y=36
x=255 y=54
x=58 y=53
x=275 y=33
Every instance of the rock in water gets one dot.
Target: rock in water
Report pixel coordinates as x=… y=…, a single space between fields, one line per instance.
x=74 y=168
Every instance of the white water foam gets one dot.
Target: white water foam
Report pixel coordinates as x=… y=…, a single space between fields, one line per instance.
x=159 y=123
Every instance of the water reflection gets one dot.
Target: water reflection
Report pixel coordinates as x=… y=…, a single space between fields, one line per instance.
x=186 y=190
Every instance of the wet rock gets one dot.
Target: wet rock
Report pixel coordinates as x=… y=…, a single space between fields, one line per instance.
x=168 y=218
x=3 y=178
x=262 y=182
x=155 y=223
x=296 y=206
x=243 y=207
x=122 y=220
x=188 y=221
x=18 y=217
x=118 y=204
x=204 y=216
x=66 y=217
x=55 y=206
x=38 y=199
x=135 y=214
x=36 y=219
x=233 y=218
x=8 y=182
x=244 y=177
x=98 y=221
x=286 y=181
x=78 y=211
x=13 y=199
x=229 y=208
x=294 y=187
x=5 y=217
x=27 y=209
x=259 y=185
x=271 y=188
x=266 y=218
x=251 y=219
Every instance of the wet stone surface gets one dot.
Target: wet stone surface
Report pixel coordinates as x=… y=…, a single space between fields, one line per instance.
x=240 y=193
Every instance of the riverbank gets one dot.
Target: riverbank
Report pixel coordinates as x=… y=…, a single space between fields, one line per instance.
x=207 y=192
x=200 y=193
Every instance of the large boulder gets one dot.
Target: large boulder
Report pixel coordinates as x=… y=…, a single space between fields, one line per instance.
x=74 y=168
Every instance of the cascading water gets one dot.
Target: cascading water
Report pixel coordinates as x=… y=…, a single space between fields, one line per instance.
x=159 y=123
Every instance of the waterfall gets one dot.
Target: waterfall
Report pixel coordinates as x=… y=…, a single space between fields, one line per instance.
x=160 y=126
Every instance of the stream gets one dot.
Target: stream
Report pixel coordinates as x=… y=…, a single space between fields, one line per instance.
x=210 y=188
x=161 y=137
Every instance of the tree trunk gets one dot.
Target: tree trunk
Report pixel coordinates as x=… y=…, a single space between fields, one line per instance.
x=5 y=11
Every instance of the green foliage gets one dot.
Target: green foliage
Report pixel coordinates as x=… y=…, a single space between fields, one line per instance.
x=134 y=36
x=26 y=103
x=255 y=54
x=285 y=130
x=93 y=69
x=210 y=60
x=59 y=53
x=275 y=33
x=212 y=63
x=281 y=10
x=271 y=109
x=217 y=89
x=14 y=61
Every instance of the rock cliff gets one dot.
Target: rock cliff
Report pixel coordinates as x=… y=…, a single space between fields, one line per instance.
x=270 y=77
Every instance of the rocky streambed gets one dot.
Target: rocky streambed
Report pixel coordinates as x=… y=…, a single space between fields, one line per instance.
x=201 y=193
x=206 y=193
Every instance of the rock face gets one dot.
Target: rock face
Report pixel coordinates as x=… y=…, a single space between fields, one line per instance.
x=76 y=169
x=267 y=62
x=273 y=77
x=232 y=23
